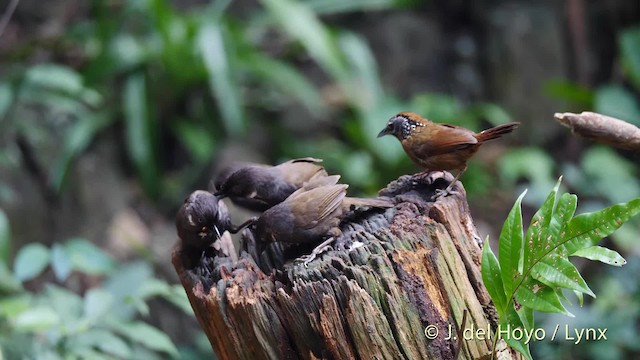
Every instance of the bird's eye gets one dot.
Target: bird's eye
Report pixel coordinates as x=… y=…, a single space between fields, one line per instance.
x=204 y=229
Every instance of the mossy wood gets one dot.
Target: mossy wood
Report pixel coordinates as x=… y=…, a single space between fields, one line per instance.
x=413 y=266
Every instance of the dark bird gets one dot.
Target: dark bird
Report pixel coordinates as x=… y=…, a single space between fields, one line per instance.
x=435 y=146
x=259 y=187
x=311 y=213
x=202 y=219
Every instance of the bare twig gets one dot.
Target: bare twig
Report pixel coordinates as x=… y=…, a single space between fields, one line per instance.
x=602 y=128
x=4 y=21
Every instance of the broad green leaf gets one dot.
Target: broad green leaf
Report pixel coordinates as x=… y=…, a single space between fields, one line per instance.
x=556 y=271
x=538 y=296
x=5 y=237
x=570 y=91
x=8 y=282
x=288 y=80
x=97 y=303
x=36 y=319
x=609 y=174
x=537 y=242
x=54 y=77
x=211 y=43
x=601 y=254
x=88 y=258
x=365 y=84
x=146 y=335
x=616 y=101
x=67 y=304
x=12 y=306
x=139 y=134
x=60 y=262
x=492 y=113
x=77 y=139
x=124 y=285
x=586 y=230
x=299 y=21
x=510 y=246
x=509 y=322
x=492 y=279
x=102 y=340
x=31 y=260
x=199 y=142
x=630 y=49
x=563 y=213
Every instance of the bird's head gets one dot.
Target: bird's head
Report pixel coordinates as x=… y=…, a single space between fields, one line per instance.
x=402 y=125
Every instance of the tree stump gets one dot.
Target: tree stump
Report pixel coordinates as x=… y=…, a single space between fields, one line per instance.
x=395 y=279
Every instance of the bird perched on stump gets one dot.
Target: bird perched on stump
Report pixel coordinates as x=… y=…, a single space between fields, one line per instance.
x=202 y=219
x=311 y=213
x=435 y=146
x=259 y=187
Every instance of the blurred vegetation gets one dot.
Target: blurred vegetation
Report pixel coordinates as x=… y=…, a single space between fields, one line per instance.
x=173 y=87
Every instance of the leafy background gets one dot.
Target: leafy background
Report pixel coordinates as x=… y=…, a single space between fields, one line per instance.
x=112 y=112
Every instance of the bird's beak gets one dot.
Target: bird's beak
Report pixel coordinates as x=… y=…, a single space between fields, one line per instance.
x=385 y=131
x=220 y=195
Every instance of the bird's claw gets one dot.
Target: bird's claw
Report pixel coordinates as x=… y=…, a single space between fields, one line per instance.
x=306 y=259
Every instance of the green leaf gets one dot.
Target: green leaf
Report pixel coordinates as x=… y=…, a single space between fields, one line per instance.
x=570 y=91
x=5 y=237
x=492 y=113
x=54 y=77
x=608 y=174
x=36 y=319
x=103 y=340
x=139 y=132
x=216 y=59
x=288 y=80
x=492 y=279
x=563 y=213
x=586 y=230
x=556 y=271
x=76 y=140
x=510 y=246
x=31 y=260
x=538 y=296
x=630 y=50
x=618 y=102
x=199 y=143
x=147 y=335
x=60 y=262
x=88 y=258
x=299 y=21
x=510 y=321
x=601 y=254
x=537 y=242
x=8 y=283
x=97 y=303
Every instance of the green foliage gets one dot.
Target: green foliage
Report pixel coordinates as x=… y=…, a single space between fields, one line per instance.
x=533 y=268
x=102 y=323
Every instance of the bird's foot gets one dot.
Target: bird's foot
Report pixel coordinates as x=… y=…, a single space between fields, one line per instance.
x=438 y=193
x=324 y=246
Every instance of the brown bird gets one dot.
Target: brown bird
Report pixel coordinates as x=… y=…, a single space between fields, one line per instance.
x=436 y=146
x=259 y=187
x=312 y=213
x=202 y=219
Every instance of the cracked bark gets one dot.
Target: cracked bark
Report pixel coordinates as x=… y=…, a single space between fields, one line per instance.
x=418 y=266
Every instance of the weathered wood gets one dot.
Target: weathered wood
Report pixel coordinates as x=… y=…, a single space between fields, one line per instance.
x=392 y=274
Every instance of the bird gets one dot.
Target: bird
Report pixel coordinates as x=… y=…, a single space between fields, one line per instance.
x=312 y=213
x=435 y=146
x=258 y=187
x=202 y=219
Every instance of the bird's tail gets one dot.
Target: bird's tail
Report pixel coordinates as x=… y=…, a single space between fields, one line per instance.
x=496 y=132
x=382 y=203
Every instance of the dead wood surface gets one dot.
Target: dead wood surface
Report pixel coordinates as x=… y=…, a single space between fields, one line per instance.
x=418 y=266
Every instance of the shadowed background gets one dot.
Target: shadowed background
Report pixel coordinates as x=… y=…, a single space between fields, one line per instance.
x=111 y=113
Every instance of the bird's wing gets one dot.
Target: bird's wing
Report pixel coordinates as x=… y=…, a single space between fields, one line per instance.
x=315 y=205
x=446 y=140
